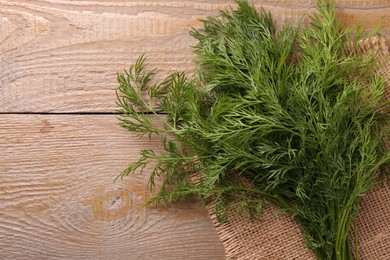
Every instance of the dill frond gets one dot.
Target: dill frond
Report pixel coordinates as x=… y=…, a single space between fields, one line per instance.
x=295 y=112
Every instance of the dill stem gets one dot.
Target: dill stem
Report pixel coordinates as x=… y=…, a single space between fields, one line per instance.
x=342 y=247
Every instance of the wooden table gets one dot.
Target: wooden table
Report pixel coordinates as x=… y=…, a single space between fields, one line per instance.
x=60 y=144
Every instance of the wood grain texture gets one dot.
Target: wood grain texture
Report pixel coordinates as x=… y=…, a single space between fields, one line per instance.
x=57 y=195
x=58 y=199
x=62 y=56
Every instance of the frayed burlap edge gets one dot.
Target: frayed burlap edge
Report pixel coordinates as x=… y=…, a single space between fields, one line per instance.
x=278 y=237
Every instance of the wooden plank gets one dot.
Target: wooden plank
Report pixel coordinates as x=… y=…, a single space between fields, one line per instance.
x=58 y=199
x=370 y=4
x=62 y=56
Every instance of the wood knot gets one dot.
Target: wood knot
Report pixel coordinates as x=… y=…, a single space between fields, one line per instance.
x=46 y=126
x=110 y=206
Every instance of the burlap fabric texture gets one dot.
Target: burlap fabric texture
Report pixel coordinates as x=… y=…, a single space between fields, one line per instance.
x=278 y=237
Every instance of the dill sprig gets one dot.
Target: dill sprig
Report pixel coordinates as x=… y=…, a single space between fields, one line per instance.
x=294 y=112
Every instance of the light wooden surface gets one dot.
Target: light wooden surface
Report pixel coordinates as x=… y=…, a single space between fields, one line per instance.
x=58 y=199
x=62 y=56
x=58 y=59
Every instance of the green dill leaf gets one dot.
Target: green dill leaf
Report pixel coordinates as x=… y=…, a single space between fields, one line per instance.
x=293 y=117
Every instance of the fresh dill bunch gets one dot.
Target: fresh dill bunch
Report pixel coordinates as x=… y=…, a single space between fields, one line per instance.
x=293 y=112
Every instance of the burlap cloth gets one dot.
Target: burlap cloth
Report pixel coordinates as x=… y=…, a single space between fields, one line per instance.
x=275 y=236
